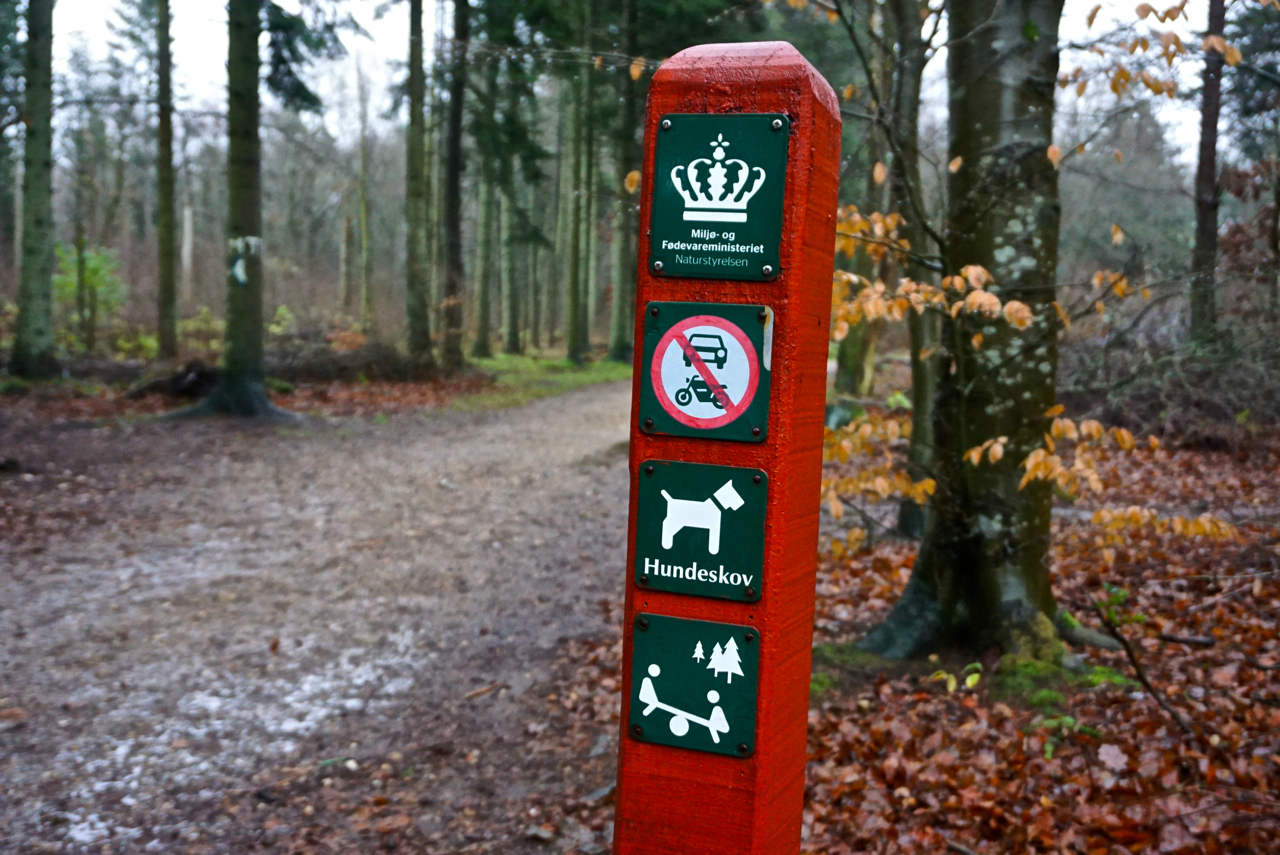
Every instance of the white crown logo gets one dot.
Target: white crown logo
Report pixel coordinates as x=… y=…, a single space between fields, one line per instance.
x=708 y=198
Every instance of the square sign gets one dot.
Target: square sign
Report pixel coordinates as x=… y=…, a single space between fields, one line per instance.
x=694 y=684
x=705 y=370
x=718 y=187
x=700 y=529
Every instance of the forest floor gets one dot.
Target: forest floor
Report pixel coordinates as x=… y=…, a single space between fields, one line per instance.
x=343 y=635
x=401 y=633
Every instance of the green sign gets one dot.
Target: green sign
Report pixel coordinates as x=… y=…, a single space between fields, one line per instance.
x=700 y=529
x=706 y=370
x=694 y=684
x=718 y=186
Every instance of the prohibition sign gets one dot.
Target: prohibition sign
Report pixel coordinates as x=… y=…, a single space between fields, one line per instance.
x=697 y=394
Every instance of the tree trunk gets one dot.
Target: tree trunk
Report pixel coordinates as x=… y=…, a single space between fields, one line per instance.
x=188 y=251
x=367 y=320
x=573 y=280
x=452 y=358
x=622 y=310
x=905 y=198
x=564 y=216
x=416 y=312
x=1204 y=257
x=510 y=290
x=482 y=347
x=587 y=201
x=33 y=349
x=166 y=204
x=1273 y=281
x=240 y=389
x=982 y=574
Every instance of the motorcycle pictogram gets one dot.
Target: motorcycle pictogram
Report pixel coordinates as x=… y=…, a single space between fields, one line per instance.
x=706 y=393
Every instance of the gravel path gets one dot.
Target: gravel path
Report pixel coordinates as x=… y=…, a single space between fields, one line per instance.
x=186 y=609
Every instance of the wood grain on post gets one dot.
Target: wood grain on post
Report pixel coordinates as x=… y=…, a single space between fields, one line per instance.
x=676 y=801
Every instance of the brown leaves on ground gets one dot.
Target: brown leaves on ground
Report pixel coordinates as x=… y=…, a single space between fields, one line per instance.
x=75 y=402
x=906 y=766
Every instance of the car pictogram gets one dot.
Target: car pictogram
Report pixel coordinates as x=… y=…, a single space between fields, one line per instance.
x=710 y=347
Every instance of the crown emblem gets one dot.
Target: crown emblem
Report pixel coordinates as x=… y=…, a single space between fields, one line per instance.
x=705 y=186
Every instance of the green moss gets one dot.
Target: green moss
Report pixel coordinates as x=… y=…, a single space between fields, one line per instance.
x=282 y=387
x=848 y=656
x=521 y=379
x=1100 y=675
x=819 y=683
x=1047 y=698
x=14 y=386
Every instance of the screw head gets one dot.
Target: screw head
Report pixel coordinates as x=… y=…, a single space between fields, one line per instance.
x=648 y=470
x=755 y=431
x=648 y=423
x=750 y=594
x=744 y=748
x=767 y=270
x=666 y=124
x=755 y=479
x=762 y=316
x=642 y=623
x=637 y=731
x=777 y=124
x=643 y=581
x=657 y=265
x=749 y=635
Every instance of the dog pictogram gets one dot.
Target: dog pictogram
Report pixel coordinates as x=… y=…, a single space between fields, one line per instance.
x=684 y=513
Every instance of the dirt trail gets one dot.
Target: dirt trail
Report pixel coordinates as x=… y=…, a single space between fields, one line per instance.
x=205 y=602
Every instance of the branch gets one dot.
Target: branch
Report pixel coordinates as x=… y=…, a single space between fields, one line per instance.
x=1138 y=670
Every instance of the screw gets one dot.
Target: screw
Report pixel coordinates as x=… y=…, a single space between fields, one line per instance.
x=750 y=636
x=762 y=315
x=642 y=623
x=755 y=479
x=666 y=124
x=648 y=424
x=643 y=581
x=744 y=748
x=657 y=265
x=637 y=731
x=777 y=124
x=767 y=270
x=751 y=595
x=755 y=431
x=648 y=470
x=653 y=311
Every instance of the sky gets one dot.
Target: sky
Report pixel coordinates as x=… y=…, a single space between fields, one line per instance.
x=200 y=49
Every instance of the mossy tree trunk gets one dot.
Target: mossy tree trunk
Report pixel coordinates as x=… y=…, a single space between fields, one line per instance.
x=33 y=348
x=166 y=203
x=451 y=352
x=511 y=292
x=416 y=194
x=482 y=347
x=982 y=574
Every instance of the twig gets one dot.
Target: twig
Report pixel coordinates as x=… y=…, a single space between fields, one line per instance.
x=484 y=690
x=1262 y=666
x=1137 y=668
x=958 y=847
x=1194 y=640
x=1209 y=602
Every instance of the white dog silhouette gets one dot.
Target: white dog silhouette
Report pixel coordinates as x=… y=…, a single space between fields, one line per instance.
x=682 y=513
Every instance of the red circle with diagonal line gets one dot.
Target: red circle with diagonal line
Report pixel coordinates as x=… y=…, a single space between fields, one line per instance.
x=693 y=343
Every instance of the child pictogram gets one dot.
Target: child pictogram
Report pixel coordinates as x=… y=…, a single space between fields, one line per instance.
x=715 y=724
x=683 y=513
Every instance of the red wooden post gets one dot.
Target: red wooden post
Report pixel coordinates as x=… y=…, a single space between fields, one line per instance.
x=673 y=800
